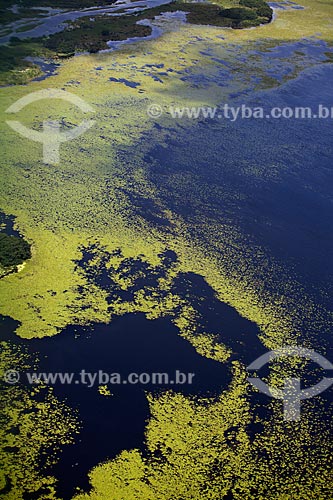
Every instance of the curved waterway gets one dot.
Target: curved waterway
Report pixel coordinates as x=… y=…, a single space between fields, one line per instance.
x=55 y=22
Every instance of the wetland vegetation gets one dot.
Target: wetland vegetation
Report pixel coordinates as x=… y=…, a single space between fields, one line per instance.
x=92 y=33
x=14 y=251
x=167 y=242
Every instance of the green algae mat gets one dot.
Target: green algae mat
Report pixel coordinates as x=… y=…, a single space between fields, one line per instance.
x=170 y=218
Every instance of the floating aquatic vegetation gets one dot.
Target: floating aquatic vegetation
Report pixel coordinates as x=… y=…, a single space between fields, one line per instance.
x=205 y=449
x=34 y=427
x=104 y=194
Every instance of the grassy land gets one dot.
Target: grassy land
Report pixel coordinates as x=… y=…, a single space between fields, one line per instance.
x=92 y=35
x=14 y=68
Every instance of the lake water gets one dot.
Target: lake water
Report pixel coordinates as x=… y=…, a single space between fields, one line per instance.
x=276 y=180
x=130 y=344
x=291 y=216
x=289 y=209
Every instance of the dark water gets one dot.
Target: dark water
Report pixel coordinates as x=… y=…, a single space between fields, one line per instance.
x=130 y=344
x=7 y=224
x=278 y=177
x=49 y=68
x=272 y=178
x=128 y=83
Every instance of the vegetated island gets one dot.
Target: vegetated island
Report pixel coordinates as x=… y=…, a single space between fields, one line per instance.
x=91 y=34
x=14 y=250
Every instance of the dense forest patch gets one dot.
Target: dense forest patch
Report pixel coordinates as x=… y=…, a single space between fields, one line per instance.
x=13 y=250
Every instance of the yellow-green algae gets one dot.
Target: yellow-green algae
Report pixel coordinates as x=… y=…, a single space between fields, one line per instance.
x=59 y=208
x=202 y=449
x=195 y=448
x=34 y=427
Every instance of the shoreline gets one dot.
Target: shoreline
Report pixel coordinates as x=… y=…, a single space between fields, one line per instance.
x=93 y=36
